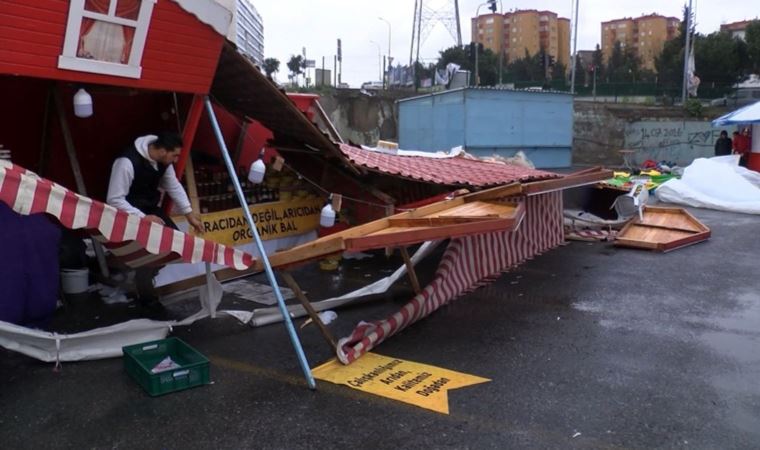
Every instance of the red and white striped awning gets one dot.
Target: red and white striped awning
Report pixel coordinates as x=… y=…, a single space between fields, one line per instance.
x=135 y=241
x=468 y=263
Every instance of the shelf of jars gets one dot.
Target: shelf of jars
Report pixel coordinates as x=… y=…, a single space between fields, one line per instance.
x=216 y=192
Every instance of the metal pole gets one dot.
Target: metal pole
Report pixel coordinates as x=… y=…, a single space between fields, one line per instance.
x=389 y=37
x=414 y=29
x=386 y=65
x=459 y=26
x=379 y=60
x=262 y=253
x=686 y=51
x=477 y=45
x=419 y=32
x=574 y=54
x=501 y=40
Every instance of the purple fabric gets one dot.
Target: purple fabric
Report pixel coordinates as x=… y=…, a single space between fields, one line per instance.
x=28 y=267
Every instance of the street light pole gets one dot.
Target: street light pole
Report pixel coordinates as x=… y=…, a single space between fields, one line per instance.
x=477 y=45
x=379 y=60
x=574 y=53
x=389 y=48
x=501 y=40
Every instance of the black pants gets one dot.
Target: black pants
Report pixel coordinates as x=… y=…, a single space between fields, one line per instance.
x=146 y=291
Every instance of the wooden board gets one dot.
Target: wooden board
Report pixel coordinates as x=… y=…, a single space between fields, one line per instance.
x=663 y=229
x=581 y=178
x=455 y=217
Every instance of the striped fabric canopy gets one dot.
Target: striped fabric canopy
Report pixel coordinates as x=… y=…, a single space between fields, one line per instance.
x=133 y=240
x=468 y=263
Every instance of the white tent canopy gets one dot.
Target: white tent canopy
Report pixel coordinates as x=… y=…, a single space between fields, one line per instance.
x=749 y=114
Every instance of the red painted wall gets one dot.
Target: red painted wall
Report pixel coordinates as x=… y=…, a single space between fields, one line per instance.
x=181 y=53
x=120 y=115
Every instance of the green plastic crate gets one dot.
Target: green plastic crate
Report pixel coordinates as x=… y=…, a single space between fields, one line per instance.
x=139 y=359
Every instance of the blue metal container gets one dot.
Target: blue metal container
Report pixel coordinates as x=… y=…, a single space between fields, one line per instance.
x=488 y=121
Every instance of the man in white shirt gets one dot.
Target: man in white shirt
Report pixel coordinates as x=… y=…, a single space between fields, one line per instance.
x=137 y=178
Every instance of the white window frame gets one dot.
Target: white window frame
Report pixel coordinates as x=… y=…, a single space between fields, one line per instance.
x=69 y=59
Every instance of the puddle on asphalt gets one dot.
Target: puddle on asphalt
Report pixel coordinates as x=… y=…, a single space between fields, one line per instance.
x=737 y=334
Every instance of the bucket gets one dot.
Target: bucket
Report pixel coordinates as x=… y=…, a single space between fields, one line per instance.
x=75 y=281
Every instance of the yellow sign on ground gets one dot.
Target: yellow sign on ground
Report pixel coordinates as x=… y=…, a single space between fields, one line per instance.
x=409 y=382
x=273 y=220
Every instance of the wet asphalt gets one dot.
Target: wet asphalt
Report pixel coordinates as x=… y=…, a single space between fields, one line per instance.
x=588 y=346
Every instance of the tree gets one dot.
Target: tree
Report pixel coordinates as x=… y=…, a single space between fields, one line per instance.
x=669 y=64
x=488 y=70
x=623 y=65
x=457 y=55
x=752 y=37
x=271 y=65
x=598 y=63
x=295 y=66
x=718 y=58
x=559 y=71
x=527 y=68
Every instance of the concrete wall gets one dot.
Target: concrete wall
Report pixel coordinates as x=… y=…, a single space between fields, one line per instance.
x=599 y=130
x=654 y=132
x=361 y=118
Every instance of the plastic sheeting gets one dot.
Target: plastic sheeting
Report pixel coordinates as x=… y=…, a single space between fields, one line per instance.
x=715 y=183
x=107 y=342
x=266 y=316
x=100 y=343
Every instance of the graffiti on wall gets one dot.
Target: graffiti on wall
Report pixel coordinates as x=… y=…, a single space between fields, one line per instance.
x=677 y=141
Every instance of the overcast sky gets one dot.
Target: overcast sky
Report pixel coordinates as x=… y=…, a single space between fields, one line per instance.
x=290 y=25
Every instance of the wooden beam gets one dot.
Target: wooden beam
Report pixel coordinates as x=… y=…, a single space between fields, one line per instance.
x=430 y=209
x=291 y=282
x=541 y=187
x=495 y=193
x=438 y=221
x=410 y=270
x=192 y=188
x=240 y=141
x=417 y=235
x=188 y=133
x=45 y=133
x=77 y=171
x=225 y=274
x=303 y=253
x=666 y=227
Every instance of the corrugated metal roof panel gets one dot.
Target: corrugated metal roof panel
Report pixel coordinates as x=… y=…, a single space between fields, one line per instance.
x=456 y=171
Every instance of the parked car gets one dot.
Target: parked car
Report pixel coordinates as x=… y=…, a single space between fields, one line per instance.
x=369 y=85
x=747 y=92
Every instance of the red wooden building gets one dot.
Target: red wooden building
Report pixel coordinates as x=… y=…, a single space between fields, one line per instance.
x=140 y=60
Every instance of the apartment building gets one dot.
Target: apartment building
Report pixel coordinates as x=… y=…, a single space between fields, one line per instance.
x=646 y=35
x=247 y=31
x=517 y=31
x=736 y=29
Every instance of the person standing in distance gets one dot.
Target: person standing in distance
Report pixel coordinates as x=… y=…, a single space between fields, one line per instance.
x=138 y=176
x=723 y=144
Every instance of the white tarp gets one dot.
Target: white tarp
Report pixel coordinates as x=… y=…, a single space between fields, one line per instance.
x=100 y=343
x=715 y=183
x=266 y=316
x=106 y=342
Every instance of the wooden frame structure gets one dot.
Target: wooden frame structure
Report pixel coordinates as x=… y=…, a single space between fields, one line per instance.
x=663 y=229
x=493 y=210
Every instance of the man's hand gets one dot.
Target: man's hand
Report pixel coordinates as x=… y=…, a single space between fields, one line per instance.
x=195 y=221
x=154 y=218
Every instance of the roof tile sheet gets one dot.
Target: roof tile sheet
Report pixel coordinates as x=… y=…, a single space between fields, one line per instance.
x=449 y=171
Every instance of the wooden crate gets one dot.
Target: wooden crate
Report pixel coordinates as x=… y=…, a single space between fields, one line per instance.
x=663 y=229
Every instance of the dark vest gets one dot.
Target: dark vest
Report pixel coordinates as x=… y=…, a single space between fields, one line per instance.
x=144 y=194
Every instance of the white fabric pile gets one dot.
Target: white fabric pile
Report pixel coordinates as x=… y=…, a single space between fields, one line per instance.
x=715 y=183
